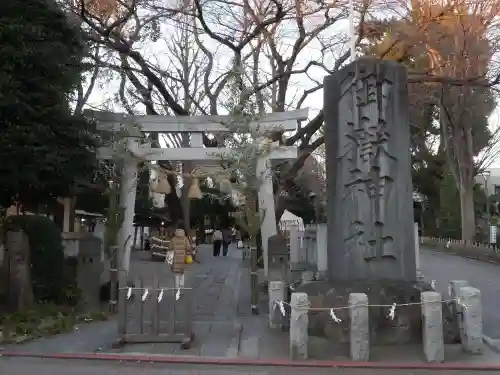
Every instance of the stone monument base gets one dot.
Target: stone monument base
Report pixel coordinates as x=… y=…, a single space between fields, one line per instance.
x=404 y=329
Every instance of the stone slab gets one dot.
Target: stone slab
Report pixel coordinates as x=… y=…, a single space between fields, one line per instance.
x=298 y=326
x=369 y=190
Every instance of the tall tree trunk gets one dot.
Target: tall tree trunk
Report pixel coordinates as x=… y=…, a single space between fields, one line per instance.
x=458 y=145
x=467 y=211
x=280 y=203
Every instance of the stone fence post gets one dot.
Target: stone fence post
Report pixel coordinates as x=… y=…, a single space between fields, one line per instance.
x=359 y=327
x=432 y=327
x=299 y=322
x=471 y=333
x=276 y=293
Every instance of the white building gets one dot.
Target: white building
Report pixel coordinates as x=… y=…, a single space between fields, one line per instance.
x=288 y=220
x=490 y=181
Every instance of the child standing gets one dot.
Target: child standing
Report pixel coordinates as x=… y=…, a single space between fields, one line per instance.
x=180 y=247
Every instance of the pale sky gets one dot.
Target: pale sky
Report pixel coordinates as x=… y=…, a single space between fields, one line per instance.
x=494 y=124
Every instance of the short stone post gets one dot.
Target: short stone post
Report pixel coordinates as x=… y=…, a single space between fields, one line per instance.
x=276 y=293
x=299 y=321
x=432 y=327
x=359 y=327
x=321 y=251
x=471 y=333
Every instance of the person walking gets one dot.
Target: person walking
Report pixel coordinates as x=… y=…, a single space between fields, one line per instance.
x=180 y=248
x=226 y=240
x=217 y=242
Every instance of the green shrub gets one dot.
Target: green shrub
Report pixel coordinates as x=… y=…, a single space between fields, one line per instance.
x=46 y=256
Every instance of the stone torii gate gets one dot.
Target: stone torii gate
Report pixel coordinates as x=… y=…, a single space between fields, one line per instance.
x=195 y=125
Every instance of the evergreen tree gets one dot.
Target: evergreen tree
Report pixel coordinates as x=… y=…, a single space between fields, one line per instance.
x=44 y=148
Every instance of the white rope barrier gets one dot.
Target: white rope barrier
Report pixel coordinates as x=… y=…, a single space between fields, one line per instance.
x=391 y=313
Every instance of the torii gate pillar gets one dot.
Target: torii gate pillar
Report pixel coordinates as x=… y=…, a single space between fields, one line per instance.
x=266 y=208
x=128 y=188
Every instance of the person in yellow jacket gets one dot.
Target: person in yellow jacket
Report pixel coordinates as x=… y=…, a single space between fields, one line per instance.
x=181 y=249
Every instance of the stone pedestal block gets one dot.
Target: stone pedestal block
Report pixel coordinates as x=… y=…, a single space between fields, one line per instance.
x=276 y=293
x=359 y=327
x=432 y=327
x=298 y=326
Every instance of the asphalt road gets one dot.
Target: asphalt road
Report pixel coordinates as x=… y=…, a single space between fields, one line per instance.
x=29 y=366
x=485 y=276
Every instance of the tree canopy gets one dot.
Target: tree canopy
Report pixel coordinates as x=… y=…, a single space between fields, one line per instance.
x=45 y=149
x=450 y=131
x=178 y=59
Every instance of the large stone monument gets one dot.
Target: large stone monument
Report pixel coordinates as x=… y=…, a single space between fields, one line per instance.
x=371 y=248
x=370 y=206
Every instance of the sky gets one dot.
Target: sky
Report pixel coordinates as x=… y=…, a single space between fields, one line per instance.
x=494 y=122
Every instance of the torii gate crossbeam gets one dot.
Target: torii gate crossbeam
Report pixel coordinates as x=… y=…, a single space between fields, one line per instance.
x=282 y=121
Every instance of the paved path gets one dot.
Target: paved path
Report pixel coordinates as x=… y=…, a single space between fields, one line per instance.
x=221 y=306
x=215 y=283
x=50 y=367
x=443 y=267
